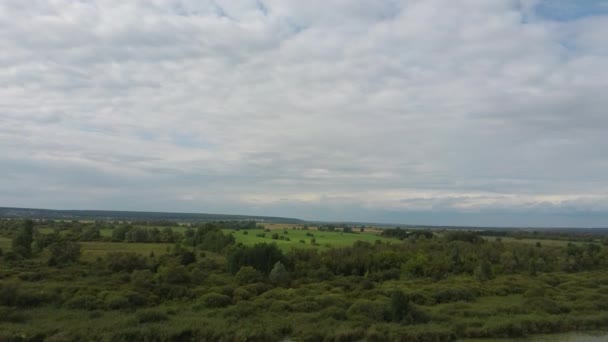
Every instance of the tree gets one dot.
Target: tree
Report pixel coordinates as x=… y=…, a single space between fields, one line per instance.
x=484 y=271
x=63 y=252
x=248 y=275
x=260 y=256
x=400 y=306
x=279 y=275
x=90 y=233
x=22 y=243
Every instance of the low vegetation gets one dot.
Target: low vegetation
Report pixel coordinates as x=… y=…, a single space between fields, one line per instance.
x=219 y=281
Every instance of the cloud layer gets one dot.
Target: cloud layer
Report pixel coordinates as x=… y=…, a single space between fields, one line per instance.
x=419 y=111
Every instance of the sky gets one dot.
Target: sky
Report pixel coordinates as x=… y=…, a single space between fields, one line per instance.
x=443 y=112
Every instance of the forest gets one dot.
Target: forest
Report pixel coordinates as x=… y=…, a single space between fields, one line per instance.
x=216 y=281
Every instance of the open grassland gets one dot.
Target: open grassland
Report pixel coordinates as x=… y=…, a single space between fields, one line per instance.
x=292 y=238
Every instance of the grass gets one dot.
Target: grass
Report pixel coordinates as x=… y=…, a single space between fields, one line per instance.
x=92 y=250
x=324 y=240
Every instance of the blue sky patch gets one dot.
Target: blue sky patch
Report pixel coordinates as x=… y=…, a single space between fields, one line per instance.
x=566 y=10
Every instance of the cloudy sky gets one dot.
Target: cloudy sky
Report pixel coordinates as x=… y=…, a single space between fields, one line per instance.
x=461 y=112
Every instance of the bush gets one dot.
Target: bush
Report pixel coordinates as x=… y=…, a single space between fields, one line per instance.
x=248 y=275
x=30 y=276
x=84 y=302
x=10 y=315
x=151 y=316
x=64 y=252
x=125 y=261
x=216 y=300
x=117 y=302
x=368 y=309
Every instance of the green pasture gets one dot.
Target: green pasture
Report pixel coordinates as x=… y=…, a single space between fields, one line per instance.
x=300 y=239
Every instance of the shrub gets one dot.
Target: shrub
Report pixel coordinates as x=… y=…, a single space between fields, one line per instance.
x=151 y=316
x=64 y=252
x=85 y=302
x=30 y=276
x=10 y=315
x=117 y=302
x=125 y=261
x=216 y=300
x=368 y=309
x=248 y=275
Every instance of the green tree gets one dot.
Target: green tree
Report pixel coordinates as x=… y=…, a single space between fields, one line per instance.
x=248 y=275
x=22 y=243
x=400 y=306
x=279 y=275
x=483 y=272
x=63 y=252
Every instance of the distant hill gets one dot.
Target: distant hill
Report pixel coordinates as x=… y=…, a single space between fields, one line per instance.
x=132 y=215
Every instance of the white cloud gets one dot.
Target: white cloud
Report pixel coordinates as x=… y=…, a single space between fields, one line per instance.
x=284 y=106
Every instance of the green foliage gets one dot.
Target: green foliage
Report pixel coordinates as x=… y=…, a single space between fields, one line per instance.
x=248 y=275
x=215 y=300
x=64 y=252
x=151 y=316
x=279 y=275
x=22 y=242
x=125 y=261
x=261 y=256
x=419 y=288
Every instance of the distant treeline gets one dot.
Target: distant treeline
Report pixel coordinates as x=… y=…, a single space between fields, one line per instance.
x=25 y=213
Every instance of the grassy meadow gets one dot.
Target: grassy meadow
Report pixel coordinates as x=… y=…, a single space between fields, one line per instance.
x=303 y=238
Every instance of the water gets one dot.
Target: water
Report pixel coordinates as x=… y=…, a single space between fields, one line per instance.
x=569 y=337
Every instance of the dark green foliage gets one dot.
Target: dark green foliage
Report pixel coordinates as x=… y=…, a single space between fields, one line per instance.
x=91 y=233
x=216 y=300
x=124 y=261
x=151 y=316
x=407 y=233
x=465 y=236
x=248 y=275
x=84 y=302
x=22 y=242
x=364 y=309
x=211 y=238
x=279 y=275
x=12 y=315
x=63 y=252
x=174 y=274
x=422 y=288
x=260 y=256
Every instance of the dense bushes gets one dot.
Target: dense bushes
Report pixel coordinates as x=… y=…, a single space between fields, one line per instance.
x=421 y=288
x=260 y=256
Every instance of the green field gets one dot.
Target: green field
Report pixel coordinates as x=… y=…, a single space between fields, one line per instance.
x=300 y=239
